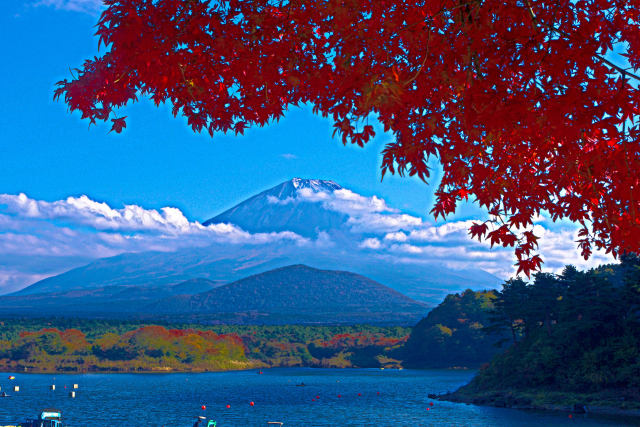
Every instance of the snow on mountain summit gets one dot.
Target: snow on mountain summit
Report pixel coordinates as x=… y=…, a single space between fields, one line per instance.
x=290 y=206
x=309 y=207
x=293 y=188
x=316 y=185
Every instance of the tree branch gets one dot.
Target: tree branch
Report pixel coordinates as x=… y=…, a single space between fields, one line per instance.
x=598 y=57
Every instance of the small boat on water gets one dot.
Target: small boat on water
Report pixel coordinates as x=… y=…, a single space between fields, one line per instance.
x=200 y=422
x=48 y=418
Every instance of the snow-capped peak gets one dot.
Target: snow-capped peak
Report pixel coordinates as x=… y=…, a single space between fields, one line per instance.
x=317 y=185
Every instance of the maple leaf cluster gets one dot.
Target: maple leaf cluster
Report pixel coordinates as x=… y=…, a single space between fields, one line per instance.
x=520 y=101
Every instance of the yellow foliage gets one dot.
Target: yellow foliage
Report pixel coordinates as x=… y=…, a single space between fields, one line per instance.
x=444 y=330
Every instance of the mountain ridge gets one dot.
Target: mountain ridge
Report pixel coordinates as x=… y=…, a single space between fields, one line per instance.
x=330 y=295
x=290 y=294
x=302 y=206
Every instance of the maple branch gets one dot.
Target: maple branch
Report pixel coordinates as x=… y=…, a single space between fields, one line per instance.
x=597 y=56
x=121 y=76
x=424 y=61
x=532 y=13
x=626 y=155
x=619 y=69
x=184 y=78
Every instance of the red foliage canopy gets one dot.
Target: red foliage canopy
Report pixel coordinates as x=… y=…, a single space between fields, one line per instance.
x=521 y=101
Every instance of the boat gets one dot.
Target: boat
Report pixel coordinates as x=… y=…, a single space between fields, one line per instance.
x=48 y=418
x=202 y=419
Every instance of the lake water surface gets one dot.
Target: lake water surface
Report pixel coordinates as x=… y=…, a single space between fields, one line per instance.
x=354 y=397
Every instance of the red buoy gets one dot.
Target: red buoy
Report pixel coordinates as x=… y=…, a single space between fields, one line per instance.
x=317 y=397
x=430 y=403
x=203 y=407
x=228 y=406
x=378 y=393
x=313 y=400
x=251 y=403
x=570 y=416
x=339 y=396
x=428 y=409
x=359 y=394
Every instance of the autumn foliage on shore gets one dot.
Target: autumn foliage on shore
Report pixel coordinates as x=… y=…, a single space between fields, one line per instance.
x=156 y=348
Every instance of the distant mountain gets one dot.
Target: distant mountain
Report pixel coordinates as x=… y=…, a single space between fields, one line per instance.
x=194 y=286
x=293 y=294
x=304 y=294
x=218 y=263
x=108 y=301
x=281 y=209
x=299 y=206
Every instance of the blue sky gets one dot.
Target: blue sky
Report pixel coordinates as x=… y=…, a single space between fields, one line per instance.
x=157 y=161
x=51 y=155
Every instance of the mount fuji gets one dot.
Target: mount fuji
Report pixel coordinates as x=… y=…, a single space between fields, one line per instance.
x=316 y=222
x=285 y=208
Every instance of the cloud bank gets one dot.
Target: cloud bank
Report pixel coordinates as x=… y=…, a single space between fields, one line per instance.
x=41 y=238
x=67 y=233
x=391 y=233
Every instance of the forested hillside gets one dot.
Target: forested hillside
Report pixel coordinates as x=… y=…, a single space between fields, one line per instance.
x=578 y=332
x=453 y=334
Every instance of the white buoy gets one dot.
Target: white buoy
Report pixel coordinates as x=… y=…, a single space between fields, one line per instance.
x=72 y=394
x=52 y=387
x=75 y=386
x=16 y=388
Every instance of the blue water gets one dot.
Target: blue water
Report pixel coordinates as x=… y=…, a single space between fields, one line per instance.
x=176 y=399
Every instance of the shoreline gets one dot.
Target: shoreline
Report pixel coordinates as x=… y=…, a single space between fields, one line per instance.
x=128 y=371
x=193 y=371
x=544 y=400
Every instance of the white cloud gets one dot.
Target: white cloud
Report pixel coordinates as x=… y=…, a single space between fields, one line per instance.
x=379 y=223
x=324 y=240
x=449 y=243
x=440 y=233
x=410 y=238
x=370 y=243
x=82 y=228
x=79 y=228
x=397 y=236
x=406 y=248
x=349 y=202
x=365 y=214
x=11 y=280
x=309 y=195
x=83 y=210
x=288 y=156
x=85 y=6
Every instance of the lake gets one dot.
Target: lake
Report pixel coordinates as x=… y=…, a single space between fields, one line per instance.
x=346 y=397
